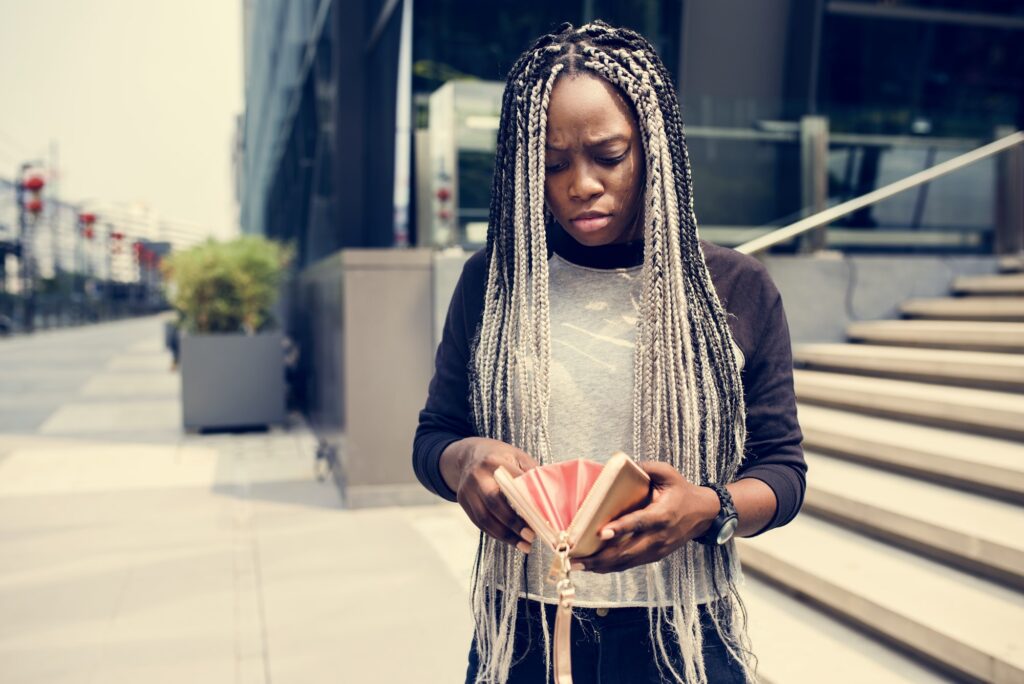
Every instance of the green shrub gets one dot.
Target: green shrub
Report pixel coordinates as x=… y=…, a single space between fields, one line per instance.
x=226 y=287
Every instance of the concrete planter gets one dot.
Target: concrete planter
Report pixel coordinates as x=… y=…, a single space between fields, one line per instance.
x=232 y=380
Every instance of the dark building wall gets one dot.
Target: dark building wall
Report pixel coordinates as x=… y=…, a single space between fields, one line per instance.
x=350 y=117
x=735 y=58
x=737 y=62
x=380 y=94
x=333 y=179
x=743 y=62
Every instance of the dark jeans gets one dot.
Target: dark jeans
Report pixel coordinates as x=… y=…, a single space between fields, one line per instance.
x=607 y=649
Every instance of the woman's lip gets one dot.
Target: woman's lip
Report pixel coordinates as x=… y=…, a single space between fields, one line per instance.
x=592 y=222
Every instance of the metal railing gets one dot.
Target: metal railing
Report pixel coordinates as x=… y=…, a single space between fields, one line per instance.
x=1010 y=228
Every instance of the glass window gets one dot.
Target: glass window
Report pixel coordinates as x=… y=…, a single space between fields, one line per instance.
x=887 y=75
x=467 y=39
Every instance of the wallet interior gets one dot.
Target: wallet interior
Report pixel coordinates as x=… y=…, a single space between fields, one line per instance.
x=558 y=490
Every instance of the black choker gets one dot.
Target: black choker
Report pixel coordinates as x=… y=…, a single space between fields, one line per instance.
x=617 y=255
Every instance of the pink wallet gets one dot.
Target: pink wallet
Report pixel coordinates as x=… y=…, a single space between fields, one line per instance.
x=567 y=504
x=575 y=497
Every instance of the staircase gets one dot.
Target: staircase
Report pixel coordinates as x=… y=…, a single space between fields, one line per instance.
x=907 y=561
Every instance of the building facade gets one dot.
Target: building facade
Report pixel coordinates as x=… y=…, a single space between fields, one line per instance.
x=337 y=93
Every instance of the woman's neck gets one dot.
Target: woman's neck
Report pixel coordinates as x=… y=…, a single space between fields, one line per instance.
x=615 y=255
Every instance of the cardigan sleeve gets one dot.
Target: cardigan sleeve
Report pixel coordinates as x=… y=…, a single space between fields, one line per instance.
x=773 y=451
x=446 y=417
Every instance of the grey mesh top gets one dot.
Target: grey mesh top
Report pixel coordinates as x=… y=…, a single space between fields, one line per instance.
x=593 y=325
x=594 y=294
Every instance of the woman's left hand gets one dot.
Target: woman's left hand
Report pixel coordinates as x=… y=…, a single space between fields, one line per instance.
x=679 y=511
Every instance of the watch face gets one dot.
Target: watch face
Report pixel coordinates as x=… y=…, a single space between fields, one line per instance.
x=725 y=534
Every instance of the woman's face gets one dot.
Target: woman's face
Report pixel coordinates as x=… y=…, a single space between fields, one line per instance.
x=594 y=161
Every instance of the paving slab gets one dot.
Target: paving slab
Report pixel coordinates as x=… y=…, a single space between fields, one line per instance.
x=92 y=417
x=130 y=551
x=137 y=385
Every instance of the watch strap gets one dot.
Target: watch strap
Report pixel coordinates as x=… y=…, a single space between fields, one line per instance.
x=726 y=511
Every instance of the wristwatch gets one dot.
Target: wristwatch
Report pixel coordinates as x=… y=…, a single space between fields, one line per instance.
x=725 y=523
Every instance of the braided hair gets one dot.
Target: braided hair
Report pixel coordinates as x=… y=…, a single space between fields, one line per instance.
x=688 y=407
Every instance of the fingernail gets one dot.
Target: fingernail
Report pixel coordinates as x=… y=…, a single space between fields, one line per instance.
x=524 y=547
x=528 y=534
x=607 y=533
x=577 y=566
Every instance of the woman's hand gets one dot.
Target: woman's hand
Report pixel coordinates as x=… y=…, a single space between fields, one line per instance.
x=678 y=512
x=475 y=459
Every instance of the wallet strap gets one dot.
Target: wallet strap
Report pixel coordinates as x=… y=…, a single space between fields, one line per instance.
x=563 y=618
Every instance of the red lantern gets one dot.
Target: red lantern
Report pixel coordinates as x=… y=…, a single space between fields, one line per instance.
x=444 y=194
x=88 y=233
x=116 y=235
x=444 y=214
x=87 y=218
x=34 y=184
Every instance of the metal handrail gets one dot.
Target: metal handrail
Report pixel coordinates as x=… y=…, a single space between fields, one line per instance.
x=789 y=131
x=823 y=218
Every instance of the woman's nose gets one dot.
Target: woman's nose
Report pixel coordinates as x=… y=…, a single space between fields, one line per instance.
x=585 y=185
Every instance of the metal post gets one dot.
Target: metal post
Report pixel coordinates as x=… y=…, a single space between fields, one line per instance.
x=108 y=284
x=54 y=212
x=77 y=284
x=19 y=205
x=25 y=254
x=1009 y=228
x=814 y=176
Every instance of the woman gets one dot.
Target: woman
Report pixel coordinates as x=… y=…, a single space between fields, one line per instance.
x=596 y=320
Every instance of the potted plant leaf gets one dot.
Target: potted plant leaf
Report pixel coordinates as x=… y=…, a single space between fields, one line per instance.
x=231 y=353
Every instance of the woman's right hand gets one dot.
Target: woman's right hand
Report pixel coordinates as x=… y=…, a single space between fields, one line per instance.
x=471 y=463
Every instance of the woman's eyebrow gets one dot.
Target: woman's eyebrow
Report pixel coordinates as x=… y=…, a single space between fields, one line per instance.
x=617 y=137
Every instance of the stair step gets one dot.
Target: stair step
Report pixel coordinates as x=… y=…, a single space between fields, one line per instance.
x=968 y=335
x=1011 y=284
x=969 y=626
x=975 y=533
x=796 y=644
x=966 y=308
x=983 y=411
x=988 y=370
x=1012 y=264
x=986 y=465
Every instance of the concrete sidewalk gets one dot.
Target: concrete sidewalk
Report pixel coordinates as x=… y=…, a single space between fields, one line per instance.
x=132 y=552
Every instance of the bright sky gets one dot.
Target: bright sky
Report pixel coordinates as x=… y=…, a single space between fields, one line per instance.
x=139 y=95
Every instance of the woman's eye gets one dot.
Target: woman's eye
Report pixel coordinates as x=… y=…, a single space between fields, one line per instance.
x=612 y=160
x=554 y=168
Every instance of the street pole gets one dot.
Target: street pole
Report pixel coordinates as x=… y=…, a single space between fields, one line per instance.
x=25 y=253
x=54 y=213
x=19 y=203
x=58 y=281
x=107 y=295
